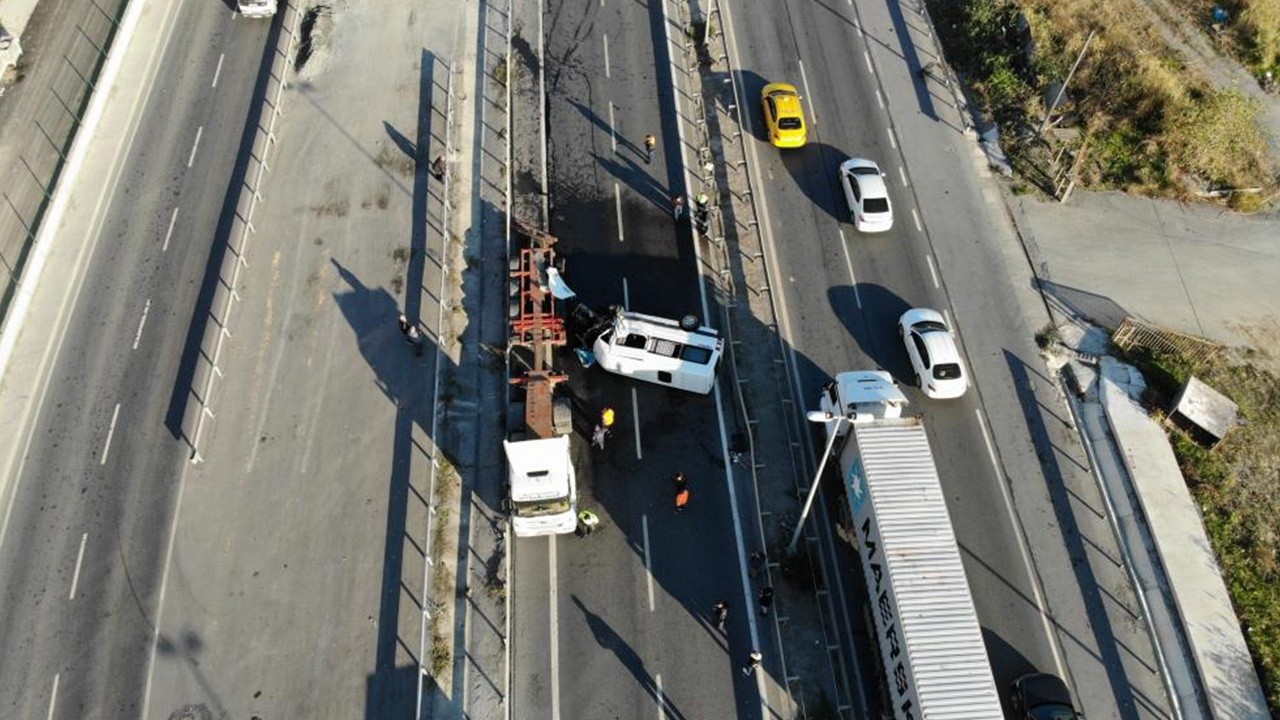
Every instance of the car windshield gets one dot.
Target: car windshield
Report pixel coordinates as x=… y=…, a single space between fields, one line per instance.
x=875 y=205
x=695 y=354
x=537 y=508
x=946 y=371
x=864 y=170
x=789 y=123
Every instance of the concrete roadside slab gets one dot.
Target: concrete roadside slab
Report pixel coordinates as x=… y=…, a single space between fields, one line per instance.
x=1194 y=268
x=1220 y=653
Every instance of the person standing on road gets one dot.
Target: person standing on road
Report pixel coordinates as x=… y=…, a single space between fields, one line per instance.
x=606 y=417
x=766 y=599
x=598 y=435
x=682 y=492
x=650 y=142
x=587 y=522
x=753 y=662
x=677 y=207
x=403 y=322
x=721 y=611
x=756 y=561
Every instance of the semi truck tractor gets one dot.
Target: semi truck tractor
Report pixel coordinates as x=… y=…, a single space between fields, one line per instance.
x=543 y=486
x=929 y=641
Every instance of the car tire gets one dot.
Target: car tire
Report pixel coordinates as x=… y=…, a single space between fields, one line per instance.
x=689 y=323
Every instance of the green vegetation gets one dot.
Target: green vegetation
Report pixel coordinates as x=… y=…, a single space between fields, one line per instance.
x=1149 y=123
x=1252 y=31
x=1237 y=485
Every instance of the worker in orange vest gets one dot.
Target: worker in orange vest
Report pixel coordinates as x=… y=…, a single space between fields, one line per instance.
x=682 y=491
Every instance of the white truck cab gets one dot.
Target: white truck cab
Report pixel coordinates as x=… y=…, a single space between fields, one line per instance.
x=682 y=355
x=861 y=396
x=256 y=8
x=543 y=485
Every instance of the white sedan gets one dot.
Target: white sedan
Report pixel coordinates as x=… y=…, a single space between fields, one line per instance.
x=935 y=361
x=864 y=189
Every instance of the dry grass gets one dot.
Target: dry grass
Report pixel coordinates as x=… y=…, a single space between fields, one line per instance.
x=1252 y=32
x=1157 y=126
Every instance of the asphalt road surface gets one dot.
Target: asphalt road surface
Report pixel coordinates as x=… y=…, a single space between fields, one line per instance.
x=628 y=608
x=90 y=506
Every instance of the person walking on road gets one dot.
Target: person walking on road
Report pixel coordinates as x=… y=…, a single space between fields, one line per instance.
x=756 y=561
x=721 y=611
x=403 y=322
x=598 y=436
x=677 y=207
x=753 y=662
x=682 y=492
x=606 y=417
x=650 y=142
x=766 y=599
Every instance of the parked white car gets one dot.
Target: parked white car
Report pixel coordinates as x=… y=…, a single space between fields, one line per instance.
x=868 y=197
x=935 y=360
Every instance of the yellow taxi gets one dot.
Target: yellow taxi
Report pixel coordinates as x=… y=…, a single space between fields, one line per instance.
x=783 y=115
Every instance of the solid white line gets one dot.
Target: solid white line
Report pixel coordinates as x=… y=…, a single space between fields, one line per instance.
x=933 y=271
x=648 y=567
x=947 y=314
x=662 y=700
x=172 y=219
x=879 y=98
x=813 y=105
x=555 y=633
x=75 y=575
x=137 y=337
x=916 y=216
x=867 y=56
x=606 y=55
x=218 y=70
x=53 y=696
x=635 y=414
x=613 y=129
x=903 y=174
x=626 y=296
x=617 y=201
x=848 y=263
x=892 y=140
x=106 y=448
x=195 y=146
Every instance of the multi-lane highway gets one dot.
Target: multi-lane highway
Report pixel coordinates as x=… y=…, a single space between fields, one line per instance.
x=617 y=624
x=91 y=495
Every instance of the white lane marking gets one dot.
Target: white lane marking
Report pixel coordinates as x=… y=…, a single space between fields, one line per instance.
x=613 y=129
x=218 y=70
x=195 y=146
x=1022 y=542
x=892 y=140
x=617 y=201
x=635 y=422
x=555 y=634
x=75 y=575
x=169 y=233
x=606 y=55
x=848 y=263
x=933 y=271
x=946 y=313
x=137 y=337
x=626 y=296
x=662 y=700
x=903 y=174
x=813 y=105
x=53 y=696
x=867 y=56
x=916 y=216
x=106 y=448
x=879 y=98
x=648 y=567
x=857 y=25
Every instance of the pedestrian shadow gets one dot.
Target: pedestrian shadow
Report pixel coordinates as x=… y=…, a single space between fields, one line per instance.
x=611 y=641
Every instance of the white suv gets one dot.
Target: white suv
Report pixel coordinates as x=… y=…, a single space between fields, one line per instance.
x=935 y=361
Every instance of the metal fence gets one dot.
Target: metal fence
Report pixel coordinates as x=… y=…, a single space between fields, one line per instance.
x=1139 y=333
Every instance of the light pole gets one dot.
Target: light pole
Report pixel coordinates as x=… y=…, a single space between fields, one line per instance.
x=818 y=416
